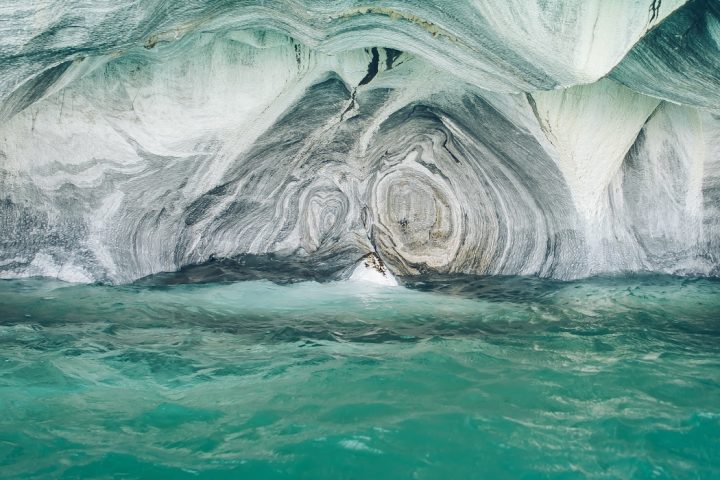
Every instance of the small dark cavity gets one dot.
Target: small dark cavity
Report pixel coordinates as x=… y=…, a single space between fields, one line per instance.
x=372 y=67
x=151 y=42
x=391 y=56
x=655 y=10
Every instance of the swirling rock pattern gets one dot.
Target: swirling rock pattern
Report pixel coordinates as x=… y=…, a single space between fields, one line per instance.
x=475 y=138
x=678 y=61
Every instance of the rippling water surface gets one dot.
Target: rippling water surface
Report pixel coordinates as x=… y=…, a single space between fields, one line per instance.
x=452 y=378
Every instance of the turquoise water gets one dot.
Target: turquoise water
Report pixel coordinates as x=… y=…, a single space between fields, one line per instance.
x=465 y=378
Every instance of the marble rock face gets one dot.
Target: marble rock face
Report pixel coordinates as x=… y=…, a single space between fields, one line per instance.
x=560 y=138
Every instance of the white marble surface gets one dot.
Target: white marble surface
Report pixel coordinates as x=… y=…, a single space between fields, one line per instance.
x=468 y=137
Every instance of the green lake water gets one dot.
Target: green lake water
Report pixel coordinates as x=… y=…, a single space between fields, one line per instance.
x=608 y=378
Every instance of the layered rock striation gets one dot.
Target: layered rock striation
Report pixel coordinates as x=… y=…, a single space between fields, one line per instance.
x=553 y=138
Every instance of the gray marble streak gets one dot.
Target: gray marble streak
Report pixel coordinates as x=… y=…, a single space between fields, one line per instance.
x=710 y=239
x=461 y=196
x=679 y=60
x=655 y=201
x=292 y=193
